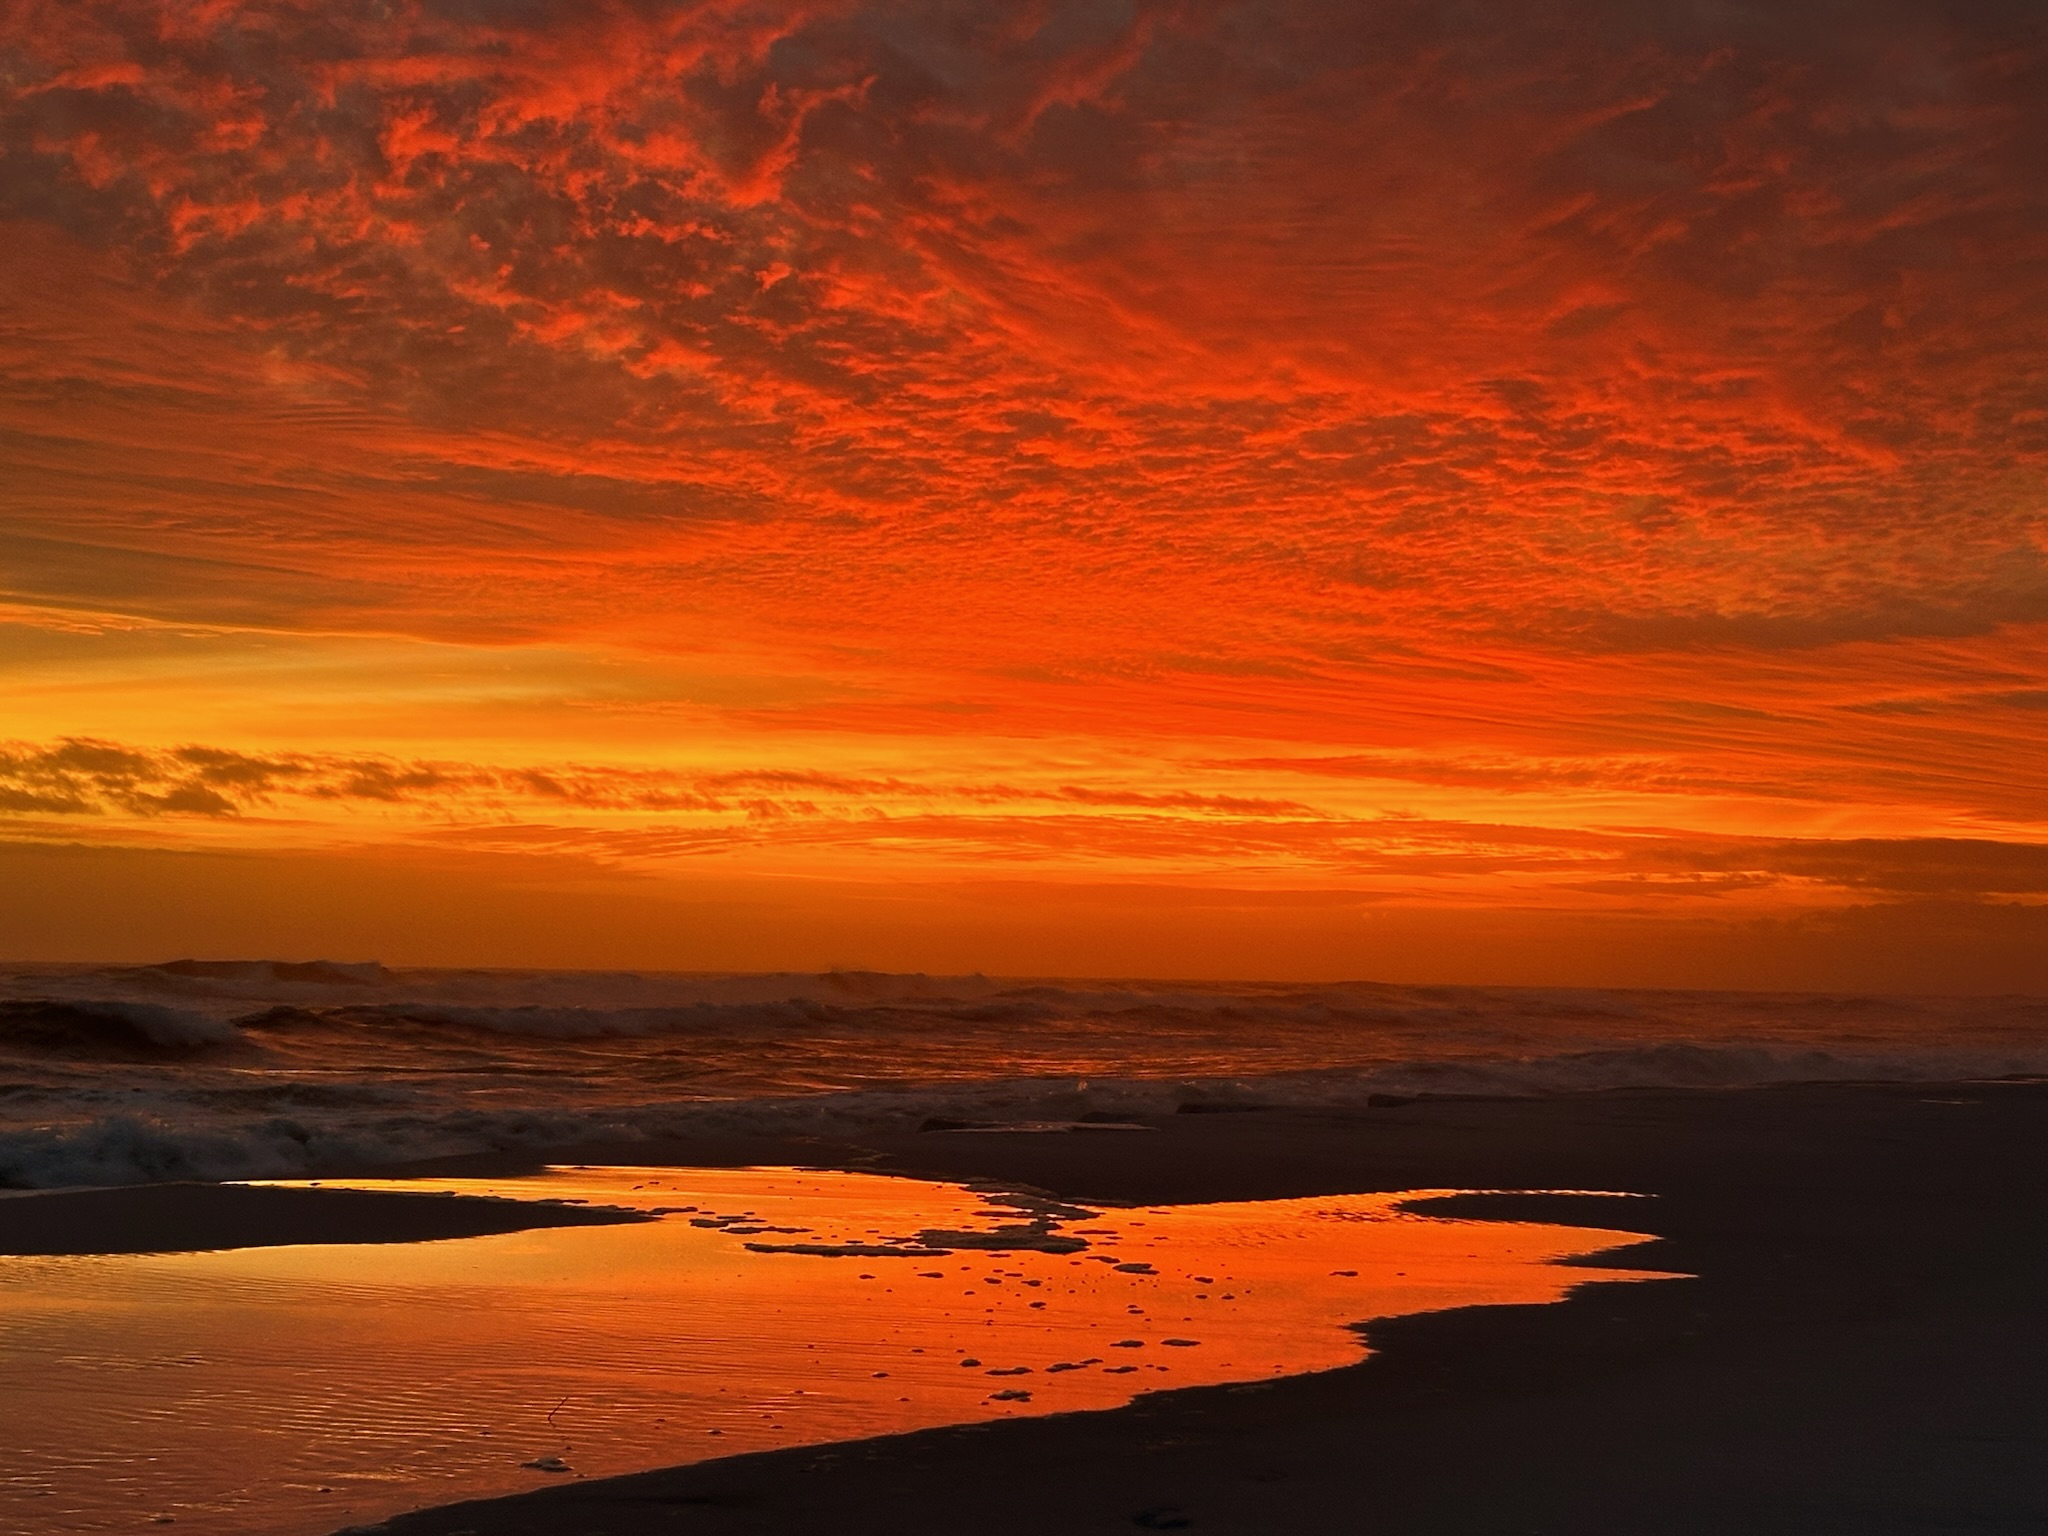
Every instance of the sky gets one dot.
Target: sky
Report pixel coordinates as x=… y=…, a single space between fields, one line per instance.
x=1428 y=491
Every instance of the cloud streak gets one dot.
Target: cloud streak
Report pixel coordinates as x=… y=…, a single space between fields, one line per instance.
x=628 y=819
x=1633 y=412
x=1712 y=339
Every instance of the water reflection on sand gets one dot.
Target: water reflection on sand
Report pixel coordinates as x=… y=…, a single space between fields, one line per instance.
x=288 y=1390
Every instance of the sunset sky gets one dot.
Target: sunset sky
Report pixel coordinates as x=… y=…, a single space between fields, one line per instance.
x=1424 y=491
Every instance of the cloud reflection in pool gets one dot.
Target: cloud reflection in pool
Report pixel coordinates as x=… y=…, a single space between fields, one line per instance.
x=295 y=1389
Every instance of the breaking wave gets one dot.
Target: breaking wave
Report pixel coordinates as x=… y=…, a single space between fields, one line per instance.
x=210 y=1069
x=96 y=1028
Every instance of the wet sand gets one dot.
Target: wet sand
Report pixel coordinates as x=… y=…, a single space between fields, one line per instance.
x=1864 y=1349
x=193 y=1218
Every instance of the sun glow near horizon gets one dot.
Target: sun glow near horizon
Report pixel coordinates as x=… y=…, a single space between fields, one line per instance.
x=1246 y=490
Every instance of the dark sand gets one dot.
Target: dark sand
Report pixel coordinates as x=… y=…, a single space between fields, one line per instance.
x=190 y=1218
x=1865 y=1349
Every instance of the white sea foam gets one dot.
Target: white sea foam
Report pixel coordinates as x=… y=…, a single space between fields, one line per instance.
x=258 y=1069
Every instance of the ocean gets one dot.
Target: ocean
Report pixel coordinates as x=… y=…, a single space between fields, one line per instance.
x=267 y=1069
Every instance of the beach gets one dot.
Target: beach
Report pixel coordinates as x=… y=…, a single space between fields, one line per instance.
x=1861 y=1349
x=195 y=1218
x=903 y=767
x=1858 y=1349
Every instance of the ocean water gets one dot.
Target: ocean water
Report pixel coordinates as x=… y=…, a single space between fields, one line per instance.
x=263 y=1069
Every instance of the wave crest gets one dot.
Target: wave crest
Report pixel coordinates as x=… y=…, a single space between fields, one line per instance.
x=61 y=1027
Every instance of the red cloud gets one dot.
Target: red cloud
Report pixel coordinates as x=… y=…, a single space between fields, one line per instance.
x=1600 y=399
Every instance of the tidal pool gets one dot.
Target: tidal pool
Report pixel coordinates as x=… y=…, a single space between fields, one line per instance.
x=291 y=1391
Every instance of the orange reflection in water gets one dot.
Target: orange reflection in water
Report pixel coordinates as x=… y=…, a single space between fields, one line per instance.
x=290 y=1390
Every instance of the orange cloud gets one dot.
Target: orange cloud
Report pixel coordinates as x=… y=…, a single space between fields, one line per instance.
x=1209 y=428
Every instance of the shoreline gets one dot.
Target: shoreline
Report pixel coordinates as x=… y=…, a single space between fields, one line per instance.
x=1860 y=1351
x=1859 y=1347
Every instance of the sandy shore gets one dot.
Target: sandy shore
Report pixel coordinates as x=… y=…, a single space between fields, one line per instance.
x=1863 y=1350
x=190 y=1218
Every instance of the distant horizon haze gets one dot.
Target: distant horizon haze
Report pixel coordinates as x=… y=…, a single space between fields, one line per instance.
x=69 y=906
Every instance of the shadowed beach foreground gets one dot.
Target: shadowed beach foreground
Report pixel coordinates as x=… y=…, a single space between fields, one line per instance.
x=191 y=1218
x=1862 y=1350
